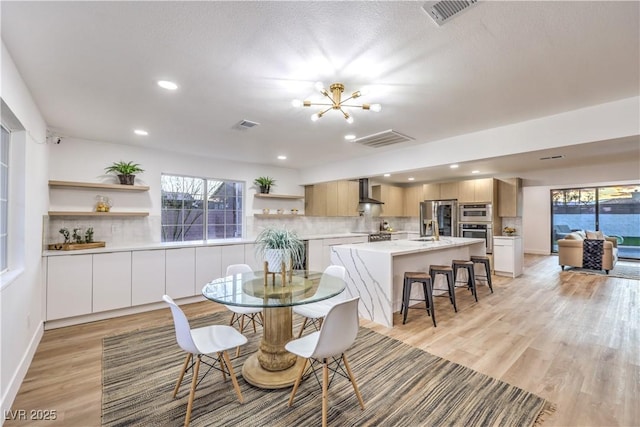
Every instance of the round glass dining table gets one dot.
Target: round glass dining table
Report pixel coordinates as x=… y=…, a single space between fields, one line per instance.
x=273 y=367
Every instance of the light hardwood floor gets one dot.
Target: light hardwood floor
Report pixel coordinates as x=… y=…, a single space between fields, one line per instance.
x=571 y=338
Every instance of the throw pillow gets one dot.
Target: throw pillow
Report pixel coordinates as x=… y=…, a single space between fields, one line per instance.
x=596 y=235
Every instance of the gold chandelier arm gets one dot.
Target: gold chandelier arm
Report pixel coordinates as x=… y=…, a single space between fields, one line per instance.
x=325 y=111
x=316 y=103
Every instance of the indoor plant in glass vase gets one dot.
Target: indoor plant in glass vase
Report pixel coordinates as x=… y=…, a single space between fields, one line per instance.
x=279 y=245
x=265 y=183
x=126 y=171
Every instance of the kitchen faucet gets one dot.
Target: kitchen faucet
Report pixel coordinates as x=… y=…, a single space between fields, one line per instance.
x=435 y=231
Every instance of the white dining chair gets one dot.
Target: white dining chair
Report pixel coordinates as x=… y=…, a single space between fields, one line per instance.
x=314 y=312
x=240 y=314
x=327 y=346
x=205 y=341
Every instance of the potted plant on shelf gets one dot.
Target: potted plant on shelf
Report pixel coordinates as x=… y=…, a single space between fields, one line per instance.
x=265 y=183
x=278 y=245
x=126 y=171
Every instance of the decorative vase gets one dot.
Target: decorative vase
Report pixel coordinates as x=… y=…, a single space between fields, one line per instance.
x=126 y=179
x=264 y=189
x=275 y=257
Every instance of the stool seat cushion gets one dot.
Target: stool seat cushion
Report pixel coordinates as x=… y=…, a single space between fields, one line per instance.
x=440 y=267
x=417 y=275
x=479 y=257
x=461 y=261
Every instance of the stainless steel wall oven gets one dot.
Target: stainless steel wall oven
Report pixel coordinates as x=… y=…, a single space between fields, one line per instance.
x=478 y=231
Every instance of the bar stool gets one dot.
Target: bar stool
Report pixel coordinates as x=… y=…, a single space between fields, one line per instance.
x=417 y=277
x=457 y=264
x=448 y=273
x=484 y=260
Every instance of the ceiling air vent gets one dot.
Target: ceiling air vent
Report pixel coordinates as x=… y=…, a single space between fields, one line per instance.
x=245 y=124
x=443 y=11
x=382 y=139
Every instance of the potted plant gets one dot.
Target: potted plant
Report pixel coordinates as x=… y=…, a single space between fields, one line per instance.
x=265 y=183
x=276 y=245
x=126 y=171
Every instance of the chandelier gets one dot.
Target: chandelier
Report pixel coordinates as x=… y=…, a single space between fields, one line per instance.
x=334 y=94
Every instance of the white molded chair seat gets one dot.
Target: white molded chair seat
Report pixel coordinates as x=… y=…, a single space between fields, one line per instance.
x=314 y=312
x=208 y=340
x=338 y=332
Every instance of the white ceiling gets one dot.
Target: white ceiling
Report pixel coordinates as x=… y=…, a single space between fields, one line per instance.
x=92 y=69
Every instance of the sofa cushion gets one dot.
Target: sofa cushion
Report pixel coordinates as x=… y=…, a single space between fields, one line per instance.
x=594 y=235
x=576 y=235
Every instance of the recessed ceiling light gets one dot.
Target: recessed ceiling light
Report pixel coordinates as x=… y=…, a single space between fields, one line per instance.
x=475 y=171
x=141 y=132
x=387 y=175
x=453 y=166
x=349 y=137
x=411 y=178
x=282 y=157
x=165 y=84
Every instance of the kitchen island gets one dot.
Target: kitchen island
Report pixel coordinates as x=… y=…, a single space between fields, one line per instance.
x=375 y=271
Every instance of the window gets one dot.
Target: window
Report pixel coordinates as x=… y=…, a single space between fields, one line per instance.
x=4 y=199
x=615 y=210
x=188 y=215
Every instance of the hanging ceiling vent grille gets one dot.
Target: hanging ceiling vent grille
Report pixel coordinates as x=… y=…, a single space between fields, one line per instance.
x=382 y=139
x=245 y=124
x=443 y=11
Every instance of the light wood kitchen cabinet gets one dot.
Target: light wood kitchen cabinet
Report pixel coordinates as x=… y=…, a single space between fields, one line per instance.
x=477 y=191
x=147 y=276
x=333 y=198
x=69 y=290
x=448 y=190
x=391 y=196
x=510 y=197
x=180 y=267
x=431 y=191
x=111 y=281
x=412 y=198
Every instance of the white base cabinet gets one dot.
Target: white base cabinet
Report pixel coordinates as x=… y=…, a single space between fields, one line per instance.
x=69 y=290
x=111 y=281
x=147 y=276
x=508 y=256
x=180 y=271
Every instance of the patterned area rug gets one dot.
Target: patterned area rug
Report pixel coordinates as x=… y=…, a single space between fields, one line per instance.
x=622 y=269
x=400 y=385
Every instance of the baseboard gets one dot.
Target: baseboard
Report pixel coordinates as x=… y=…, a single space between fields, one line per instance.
x=21 y=372
x=93 y=317
x=537 y=252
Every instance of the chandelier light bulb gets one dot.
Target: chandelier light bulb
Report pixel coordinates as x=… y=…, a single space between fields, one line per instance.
x=320 y=87
x=315 y=117
x=296 y=103
x=350 y=119
x=375 y=107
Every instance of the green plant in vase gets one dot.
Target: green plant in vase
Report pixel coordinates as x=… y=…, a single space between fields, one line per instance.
x=277 y=245
x=265 y=183
x=126 y=171
x=66 y=235
x=88 y=235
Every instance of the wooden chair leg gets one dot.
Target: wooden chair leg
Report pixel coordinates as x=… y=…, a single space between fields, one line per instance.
x=184 y=369
x=353 y=380
x=194 y=382
x=222 y=370
x=253 y=320
x=238 y=351
x=232 y=374
x=233 y=316
x=297 y=383
x=304 y=323
x=242 y=316
x=325 y=392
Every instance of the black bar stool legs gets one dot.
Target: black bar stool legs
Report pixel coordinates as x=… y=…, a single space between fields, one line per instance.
x=427 y=286
x=448 y=273
x=484 y=260
x=471 y=277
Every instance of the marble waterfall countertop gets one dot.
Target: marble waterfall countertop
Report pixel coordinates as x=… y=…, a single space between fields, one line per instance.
x=375 y=271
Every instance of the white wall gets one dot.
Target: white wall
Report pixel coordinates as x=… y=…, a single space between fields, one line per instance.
x=21 y=289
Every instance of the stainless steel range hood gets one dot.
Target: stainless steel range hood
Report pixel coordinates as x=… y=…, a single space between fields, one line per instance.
x=364 y=193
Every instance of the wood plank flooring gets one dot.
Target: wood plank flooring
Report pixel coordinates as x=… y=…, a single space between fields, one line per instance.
x=571 y=338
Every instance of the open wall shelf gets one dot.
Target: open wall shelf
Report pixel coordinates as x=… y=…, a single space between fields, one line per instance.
x=103 y=214
x=97 y=185
x=277 y=196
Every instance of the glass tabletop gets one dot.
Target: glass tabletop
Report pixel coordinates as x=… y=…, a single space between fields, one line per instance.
x=249 y=289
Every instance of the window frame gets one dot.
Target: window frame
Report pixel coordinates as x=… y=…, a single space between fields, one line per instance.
x=5 y=172
x=238 y=209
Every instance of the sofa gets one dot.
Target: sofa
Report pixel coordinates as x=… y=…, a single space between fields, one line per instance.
x=571 y=250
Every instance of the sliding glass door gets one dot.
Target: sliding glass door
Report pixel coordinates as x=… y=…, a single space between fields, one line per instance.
x=615 y=210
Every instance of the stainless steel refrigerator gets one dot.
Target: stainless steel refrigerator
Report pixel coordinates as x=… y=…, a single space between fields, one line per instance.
x=445 y=212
